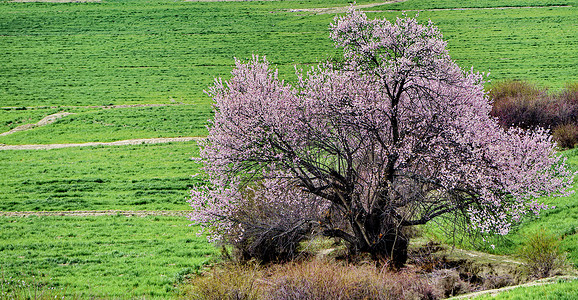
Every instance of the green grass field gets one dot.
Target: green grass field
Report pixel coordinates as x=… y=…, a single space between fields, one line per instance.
x=111 y=124
x=140 y=177
x=67 y=57
x=114 y=256
x=126 y=52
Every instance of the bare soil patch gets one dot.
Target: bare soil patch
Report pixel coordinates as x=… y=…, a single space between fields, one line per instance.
x=47 y=120
x=92 y=144
x=341 y=9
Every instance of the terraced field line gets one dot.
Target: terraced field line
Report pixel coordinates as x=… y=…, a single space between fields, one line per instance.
x=470 y=8
x=92 y=144
x=92 y=213
x=93 y=106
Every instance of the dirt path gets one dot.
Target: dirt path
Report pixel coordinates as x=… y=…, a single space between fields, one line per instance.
x=92 y=213
x=47 y=120
x=92 y=106
x=341 y=9
x=493 y=293
x=91 y=144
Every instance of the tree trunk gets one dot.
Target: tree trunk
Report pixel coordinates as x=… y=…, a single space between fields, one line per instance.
x=382 y=241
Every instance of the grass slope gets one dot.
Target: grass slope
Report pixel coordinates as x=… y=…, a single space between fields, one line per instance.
x=107 y=125
x=119 y=52
x=115 y=257
x=140 y=177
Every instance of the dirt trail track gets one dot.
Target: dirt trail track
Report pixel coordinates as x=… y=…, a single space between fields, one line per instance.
x=92 y=213
x=342 y=9
x=92 y=144
x=47 y=120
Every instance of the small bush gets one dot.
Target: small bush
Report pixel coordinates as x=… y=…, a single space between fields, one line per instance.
x=566 y=135
x=542 y=254
x=271 y=233
x=521 y=104
x=570 y=93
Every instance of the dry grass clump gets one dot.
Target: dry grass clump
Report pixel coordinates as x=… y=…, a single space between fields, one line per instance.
x=326 y=280
x=228 y=281
x=316 y=279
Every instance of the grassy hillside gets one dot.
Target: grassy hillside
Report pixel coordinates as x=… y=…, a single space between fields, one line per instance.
x=70 y=57
x=118 y=52
x=115 y=256
x=141 y=177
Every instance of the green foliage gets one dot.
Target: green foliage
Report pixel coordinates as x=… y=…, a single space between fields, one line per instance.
x=542 y=254
x=140 y=177
x=112 y=256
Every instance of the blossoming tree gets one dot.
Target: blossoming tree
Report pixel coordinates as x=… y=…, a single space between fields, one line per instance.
x=394 y=135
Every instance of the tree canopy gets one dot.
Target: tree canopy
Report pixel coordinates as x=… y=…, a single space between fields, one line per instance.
x=393 y=135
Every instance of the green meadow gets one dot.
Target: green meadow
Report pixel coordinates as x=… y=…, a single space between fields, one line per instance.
x=119 y=52
x=95 y=257
x=83 y=57
x=107 y=125
x=140 y=177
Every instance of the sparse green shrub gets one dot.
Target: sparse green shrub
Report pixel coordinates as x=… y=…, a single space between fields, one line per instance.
x=542 y=254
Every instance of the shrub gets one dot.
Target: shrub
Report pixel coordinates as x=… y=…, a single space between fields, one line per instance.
x=520 y=104
x=566 y=135
x=497 y=281
x=570 y=93
x=542 y=254
x=266 y=232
